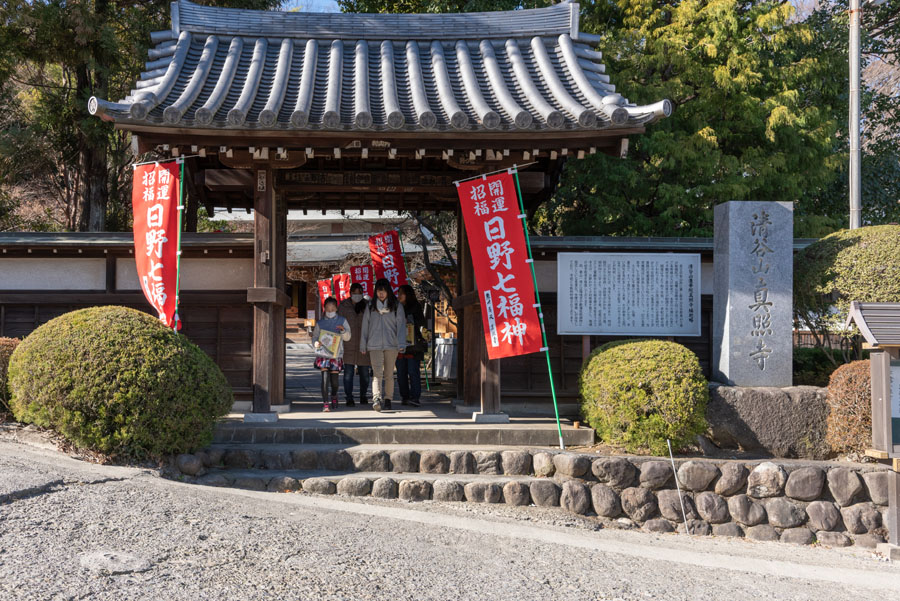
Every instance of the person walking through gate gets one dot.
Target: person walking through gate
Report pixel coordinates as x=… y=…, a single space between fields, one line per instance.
x=352 y=309
x=383 y=337
x=408 y=376
x=329 y=335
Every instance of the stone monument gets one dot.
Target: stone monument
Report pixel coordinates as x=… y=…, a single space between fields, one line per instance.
x=753 y=294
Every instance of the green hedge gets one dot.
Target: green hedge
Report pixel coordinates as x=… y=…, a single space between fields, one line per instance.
x=7 y=346
x=636 y=394
x=117 y=381
x=812 y=367
x=851 y=265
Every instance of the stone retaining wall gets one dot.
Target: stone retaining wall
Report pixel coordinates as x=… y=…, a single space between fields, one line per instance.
x=798 y=503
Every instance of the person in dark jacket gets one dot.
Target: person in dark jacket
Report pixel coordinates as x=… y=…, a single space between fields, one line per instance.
x=352 y=310
x=408 y=361
x=383 y=336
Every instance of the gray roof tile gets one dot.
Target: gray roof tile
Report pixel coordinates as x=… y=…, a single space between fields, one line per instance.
x=500 y=71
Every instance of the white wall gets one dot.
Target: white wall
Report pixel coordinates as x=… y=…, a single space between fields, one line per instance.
x=196 y=274
x=52 y=273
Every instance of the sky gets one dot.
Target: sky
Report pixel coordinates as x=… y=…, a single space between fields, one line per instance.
x=312 y=6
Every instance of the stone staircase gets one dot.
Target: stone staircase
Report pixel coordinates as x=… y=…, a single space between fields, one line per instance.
x=794 y=502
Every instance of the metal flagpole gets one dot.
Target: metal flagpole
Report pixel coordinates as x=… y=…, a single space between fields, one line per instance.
x=537 y=297
x=181 y=165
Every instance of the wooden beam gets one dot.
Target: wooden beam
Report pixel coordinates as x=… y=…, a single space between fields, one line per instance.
x=514 y=140
x=227 y=180
x=268 y=295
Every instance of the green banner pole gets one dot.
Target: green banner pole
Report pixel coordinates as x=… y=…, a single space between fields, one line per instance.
x=181 y=167
x=537 y=296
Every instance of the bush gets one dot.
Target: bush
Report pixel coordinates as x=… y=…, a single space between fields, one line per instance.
x=117 y=381
x=812 y=367
x=850 y=265
x=639 y=393
x=7 y=346
x=849 y=424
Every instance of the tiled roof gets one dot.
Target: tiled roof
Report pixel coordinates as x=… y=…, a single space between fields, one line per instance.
x=238 y=69
x=879 y=323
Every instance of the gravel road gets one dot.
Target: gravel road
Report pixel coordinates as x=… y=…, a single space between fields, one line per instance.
x=73 y=530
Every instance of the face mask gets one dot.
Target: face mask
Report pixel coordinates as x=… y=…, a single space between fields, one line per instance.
x=330 y=314
x=356 y=297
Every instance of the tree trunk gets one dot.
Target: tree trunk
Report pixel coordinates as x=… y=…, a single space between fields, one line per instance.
x=94 y=190
x=92 y=157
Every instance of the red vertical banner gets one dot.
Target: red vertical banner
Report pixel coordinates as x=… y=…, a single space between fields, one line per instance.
x=362 y=275
x=496 y=236
x=387 y=258
x=325 y=291
x=155 y=200
x=341 y=283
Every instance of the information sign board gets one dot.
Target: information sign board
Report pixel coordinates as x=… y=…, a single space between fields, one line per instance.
x=628 y=294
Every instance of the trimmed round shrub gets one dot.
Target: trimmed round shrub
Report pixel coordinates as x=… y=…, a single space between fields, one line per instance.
x=851 y=265
x=7 y=346
x=636 y=394
x=848 y=428
x=117 y=381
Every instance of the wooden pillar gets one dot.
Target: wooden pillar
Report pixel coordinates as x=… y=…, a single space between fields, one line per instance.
x=279 y=268
x=479 y=378
x=490 y=382
x=267 y=296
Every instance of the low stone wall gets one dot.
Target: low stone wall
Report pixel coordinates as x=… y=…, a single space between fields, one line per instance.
x=802 y=503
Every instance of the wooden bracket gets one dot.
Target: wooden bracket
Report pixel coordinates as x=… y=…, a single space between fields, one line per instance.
x=268 y=295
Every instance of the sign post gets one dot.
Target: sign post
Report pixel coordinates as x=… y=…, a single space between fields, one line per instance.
x=494 y=217
x=628 y=294
x=325 y=290
x=157 y=205
x=387 y=258
x=877 y=323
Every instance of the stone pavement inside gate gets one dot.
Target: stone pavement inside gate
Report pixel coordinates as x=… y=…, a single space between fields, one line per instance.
x=438 y=410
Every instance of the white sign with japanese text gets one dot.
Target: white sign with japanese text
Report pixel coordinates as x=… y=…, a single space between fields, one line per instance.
x=628 y=294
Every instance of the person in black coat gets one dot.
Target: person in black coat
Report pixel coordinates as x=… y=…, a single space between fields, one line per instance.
x=408 y=361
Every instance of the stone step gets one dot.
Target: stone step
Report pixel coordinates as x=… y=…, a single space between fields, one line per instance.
x=477 y=488
x=793 y=502
x=511 y=462
x=503 y=434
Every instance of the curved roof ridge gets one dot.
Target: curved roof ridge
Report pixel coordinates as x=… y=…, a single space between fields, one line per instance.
x=217 y=20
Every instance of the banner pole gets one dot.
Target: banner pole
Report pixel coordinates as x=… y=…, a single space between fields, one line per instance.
x=181 y=166
x=537 y=296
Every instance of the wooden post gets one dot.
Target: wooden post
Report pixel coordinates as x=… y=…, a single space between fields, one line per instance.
x=478 y=379
x=460 y=313
x=585 y=348
x=267 y=296
x=279 y=274
x=471 y=341
x=490 y=383
x=893 y=513
x=880 y=365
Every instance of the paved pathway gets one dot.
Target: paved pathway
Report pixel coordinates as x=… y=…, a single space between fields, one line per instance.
x=65 y=525
x=437 y=411
x=304 y=382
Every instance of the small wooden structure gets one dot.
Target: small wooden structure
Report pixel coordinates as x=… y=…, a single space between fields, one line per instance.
x=879 y=324
x=353 y=112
